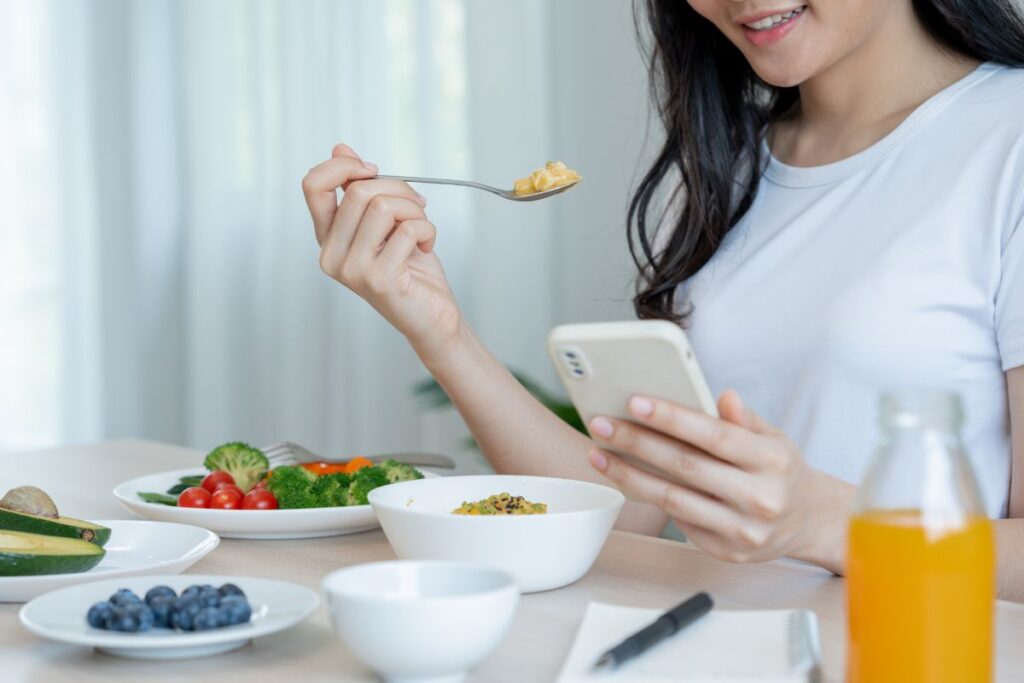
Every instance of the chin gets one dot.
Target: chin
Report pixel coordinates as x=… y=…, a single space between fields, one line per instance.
x=782 y=71
x=781 y=76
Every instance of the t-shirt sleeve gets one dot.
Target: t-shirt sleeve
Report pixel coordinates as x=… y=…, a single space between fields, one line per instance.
x=1010 y=301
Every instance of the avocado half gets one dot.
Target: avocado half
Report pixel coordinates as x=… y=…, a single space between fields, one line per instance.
x=67 y=527
x=25 y=554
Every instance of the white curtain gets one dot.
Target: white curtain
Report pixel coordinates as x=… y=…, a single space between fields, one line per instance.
x=158 y=276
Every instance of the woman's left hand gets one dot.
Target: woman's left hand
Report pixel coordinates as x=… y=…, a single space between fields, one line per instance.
x=736 y=486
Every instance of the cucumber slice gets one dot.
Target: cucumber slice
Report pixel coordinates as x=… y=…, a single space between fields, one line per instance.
x=68 y=527
x=25 y=554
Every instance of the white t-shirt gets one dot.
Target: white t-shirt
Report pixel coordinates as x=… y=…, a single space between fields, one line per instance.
x=902 y=265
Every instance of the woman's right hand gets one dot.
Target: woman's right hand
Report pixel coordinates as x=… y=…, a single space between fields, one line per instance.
x=378 y=242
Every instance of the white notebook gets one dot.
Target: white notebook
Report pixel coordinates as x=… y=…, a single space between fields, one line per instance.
x=763 y=646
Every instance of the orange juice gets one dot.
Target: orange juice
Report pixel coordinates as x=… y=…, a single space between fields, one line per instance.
x=920 y=599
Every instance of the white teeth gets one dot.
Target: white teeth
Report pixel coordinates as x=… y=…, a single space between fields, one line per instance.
x=773 y=20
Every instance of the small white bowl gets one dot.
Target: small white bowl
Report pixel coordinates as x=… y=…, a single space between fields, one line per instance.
x=540 y=551
x=421 y=621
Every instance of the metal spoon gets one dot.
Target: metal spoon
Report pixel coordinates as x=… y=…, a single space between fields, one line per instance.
x=506 y=194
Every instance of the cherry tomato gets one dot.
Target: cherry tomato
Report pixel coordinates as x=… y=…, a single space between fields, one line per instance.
x=224 y=486
x=259 y=499
x=213 y=479
x=195 y=497
x=226 y=499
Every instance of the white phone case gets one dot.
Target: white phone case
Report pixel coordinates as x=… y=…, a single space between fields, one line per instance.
x=603 y=364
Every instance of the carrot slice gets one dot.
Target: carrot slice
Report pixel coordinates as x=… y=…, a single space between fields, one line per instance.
x=357 y=463
x=319 y=468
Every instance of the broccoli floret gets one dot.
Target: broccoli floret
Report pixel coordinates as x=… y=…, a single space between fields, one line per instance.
x=364 y=481
x=293 y=487
x=245 y=464
x=399 y=471
x=331 y=490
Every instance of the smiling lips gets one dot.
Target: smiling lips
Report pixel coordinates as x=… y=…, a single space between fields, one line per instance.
x=765 y=29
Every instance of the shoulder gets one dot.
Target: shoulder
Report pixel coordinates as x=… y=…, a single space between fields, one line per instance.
x=988 y=119
x=996 y=97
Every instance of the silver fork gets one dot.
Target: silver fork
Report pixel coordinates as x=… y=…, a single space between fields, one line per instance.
x=507 y=194
x=288 y=453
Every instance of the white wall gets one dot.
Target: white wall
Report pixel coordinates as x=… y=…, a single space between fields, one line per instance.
x=581 y=98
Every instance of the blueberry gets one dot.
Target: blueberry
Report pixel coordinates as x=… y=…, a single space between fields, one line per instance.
x=208 y=618
x=98 y=614
x=192 y=591
x=134 y=606
x=231 y=589
x=124 y=596
x=183 y=610
x=122 y=619
x=209 y=596
x=161 y=606
x=146 y=618
x=236 y=610
x=159 y=591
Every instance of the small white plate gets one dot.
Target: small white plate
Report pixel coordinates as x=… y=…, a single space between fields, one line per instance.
x=265 y=524
x=135 y=548
x=60 y=616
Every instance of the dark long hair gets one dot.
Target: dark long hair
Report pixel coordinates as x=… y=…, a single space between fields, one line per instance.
x=716 y=111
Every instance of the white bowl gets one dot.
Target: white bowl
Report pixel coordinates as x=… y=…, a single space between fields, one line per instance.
x=540 y=551
x=421 y=621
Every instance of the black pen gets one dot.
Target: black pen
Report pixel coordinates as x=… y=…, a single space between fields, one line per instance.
x=668 y=624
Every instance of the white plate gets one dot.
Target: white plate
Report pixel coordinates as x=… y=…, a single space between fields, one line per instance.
x=266 y=524
x=135 y=548
x=60 y=616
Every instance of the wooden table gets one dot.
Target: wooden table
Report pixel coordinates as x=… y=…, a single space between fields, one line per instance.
x=634 y=570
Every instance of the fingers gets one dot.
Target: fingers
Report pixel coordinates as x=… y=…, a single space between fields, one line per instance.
x=350 y=263
x=679 y=502
x=731 y=408
x=407 y=237
x=382 y=214
x=721 y=438
x=356 y=201
x=678 y=461
x=343 y=150
x=321 y=184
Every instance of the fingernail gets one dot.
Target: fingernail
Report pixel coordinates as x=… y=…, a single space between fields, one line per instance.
x=598 y=460
x=640 y=406
x=601 y=427
x=423 y=200
x=370 y=167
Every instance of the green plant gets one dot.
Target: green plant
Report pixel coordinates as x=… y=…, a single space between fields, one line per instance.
x=432 y=397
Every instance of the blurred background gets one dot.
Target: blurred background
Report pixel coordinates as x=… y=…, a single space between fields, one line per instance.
x=158 y=272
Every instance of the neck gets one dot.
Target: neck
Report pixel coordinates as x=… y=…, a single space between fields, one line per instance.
x=865 y=95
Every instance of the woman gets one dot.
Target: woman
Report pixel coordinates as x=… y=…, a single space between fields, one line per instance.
x=879 y=242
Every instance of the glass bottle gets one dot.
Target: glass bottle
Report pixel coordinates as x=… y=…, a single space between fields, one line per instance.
x=920 y=562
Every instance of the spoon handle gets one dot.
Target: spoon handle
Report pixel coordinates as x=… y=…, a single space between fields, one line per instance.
x=442 y=181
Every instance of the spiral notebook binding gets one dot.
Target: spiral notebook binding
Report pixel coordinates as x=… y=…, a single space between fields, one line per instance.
x=804 y=649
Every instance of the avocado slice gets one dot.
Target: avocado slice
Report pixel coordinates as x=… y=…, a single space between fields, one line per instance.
x=25 y=554
x=68 y=527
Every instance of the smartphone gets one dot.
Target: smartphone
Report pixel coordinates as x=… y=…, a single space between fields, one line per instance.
x=603 y=364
